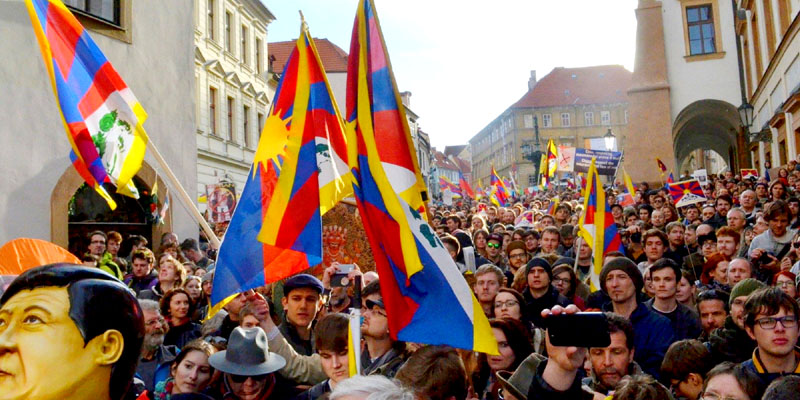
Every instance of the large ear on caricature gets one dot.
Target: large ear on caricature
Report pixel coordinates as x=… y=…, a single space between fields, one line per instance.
x=107 y=348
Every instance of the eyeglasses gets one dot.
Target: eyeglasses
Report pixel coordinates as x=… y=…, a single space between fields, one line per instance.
x=714 y=396
x=242 y=378
x=98 y=242
x=495 y=245
x=784 y=283
x=561 y=280
x=519 y=256
x=506 y=304
x=789 y=321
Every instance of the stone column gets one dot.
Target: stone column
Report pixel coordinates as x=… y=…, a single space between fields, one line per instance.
x=650 y=123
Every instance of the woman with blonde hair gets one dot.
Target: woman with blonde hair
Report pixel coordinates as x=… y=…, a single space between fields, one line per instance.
x=171 y=274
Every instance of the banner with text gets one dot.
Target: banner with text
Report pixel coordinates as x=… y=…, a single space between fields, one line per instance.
x=606 y=162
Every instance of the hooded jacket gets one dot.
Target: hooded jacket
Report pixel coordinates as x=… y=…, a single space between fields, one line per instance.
x=730 y=343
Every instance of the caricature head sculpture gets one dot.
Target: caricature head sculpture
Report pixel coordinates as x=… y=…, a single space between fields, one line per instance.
x=67 y=331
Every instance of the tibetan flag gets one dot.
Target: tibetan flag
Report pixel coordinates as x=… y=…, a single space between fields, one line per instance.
x=628 y=183
x=551 y=210
x=374 y=104
x=552 y=160
x=102 y=117
x=418 y=277
x=465 y=187
x=686 y=192
x=354 y=342
x=670 y=178
x=500 y=193
x=298 y=173
x=543 y=171
x=446 y=184
x=597 y=225
x=661 y=166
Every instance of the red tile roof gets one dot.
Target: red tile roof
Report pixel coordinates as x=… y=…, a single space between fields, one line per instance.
x=602 y=84
x=333 y=57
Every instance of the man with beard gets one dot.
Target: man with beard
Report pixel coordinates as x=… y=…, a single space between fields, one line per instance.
x=156 y=358
x=611 y=364
x=621 y=279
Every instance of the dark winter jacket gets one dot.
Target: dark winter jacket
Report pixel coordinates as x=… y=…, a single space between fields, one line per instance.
x=652 y=337
x=534 y=307
x=685 y=321
x=730 y=343
x=755 y=366
x=144 y=283
x=541 y=390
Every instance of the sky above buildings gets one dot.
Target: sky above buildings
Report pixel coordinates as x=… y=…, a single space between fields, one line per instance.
x=466 y=61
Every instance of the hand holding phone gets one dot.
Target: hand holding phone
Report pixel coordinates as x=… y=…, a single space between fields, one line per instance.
x=583 y=329
x=341 y=278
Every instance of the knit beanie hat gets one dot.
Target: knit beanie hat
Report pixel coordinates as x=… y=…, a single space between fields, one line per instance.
x=564 y=261
x=625 y=265
x=745 y=287
x=517 y=244
x=539 y=262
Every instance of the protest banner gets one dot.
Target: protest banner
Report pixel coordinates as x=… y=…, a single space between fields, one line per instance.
x=606 y=162
x=701 y=175
x=566 y=159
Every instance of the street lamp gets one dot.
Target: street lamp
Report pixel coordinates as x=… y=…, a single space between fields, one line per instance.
x=746 y=115
x=609 y=140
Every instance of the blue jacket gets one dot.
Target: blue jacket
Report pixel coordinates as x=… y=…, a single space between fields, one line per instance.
x=652 y=335
x=757 y=367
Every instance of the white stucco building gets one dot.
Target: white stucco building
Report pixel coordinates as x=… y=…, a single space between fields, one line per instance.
x=233 y=87
x=149 y=43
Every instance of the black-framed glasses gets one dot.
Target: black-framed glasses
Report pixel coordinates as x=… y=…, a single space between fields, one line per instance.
x=788 y=321
x=518 y=256
x=242 y=378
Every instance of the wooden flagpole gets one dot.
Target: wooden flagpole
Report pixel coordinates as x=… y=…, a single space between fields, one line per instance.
x=183 y=196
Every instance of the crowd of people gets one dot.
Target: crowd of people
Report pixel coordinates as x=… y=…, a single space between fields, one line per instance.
x=701 y=304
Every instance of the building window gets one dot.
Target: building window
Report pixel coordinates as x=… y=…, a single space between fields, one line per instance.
x=212 y=111
x=244 y=48
x=230 y=119
x=259 y=62
x=260 y=124
x=105 y=10
x=210 y=21
x=565 y=119
x=527 y=120
x=228 y=33
x=547 y=120
x=700 y=23
x=588 y=118
x=605 y=117
x=245 y=125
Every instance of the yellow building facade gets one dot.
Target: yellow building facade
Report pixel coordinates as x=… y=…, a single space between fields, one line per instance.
x=573 y=106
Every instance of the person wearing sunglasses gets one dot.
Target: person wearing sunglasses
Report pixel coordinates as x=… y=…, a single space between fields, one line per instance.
x=494 y=252
x=771 y=320
x=249 y=368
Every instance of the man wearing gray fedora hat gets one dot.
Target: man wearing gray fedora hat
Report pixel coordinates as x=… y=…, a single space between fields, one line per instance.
x=249 y=367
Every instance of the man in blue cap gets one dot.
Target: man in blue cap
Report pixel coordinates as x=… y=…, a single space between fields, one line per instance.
x=301 y=303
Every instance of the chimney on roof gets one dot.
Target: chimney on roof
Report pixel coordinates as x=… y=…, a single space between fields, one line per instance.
x=405 y=97
x=532 y=80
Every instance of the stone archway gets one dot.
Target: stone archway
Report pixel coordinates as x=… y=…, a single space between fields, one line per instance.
x=70 y=182
x=707 y=125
